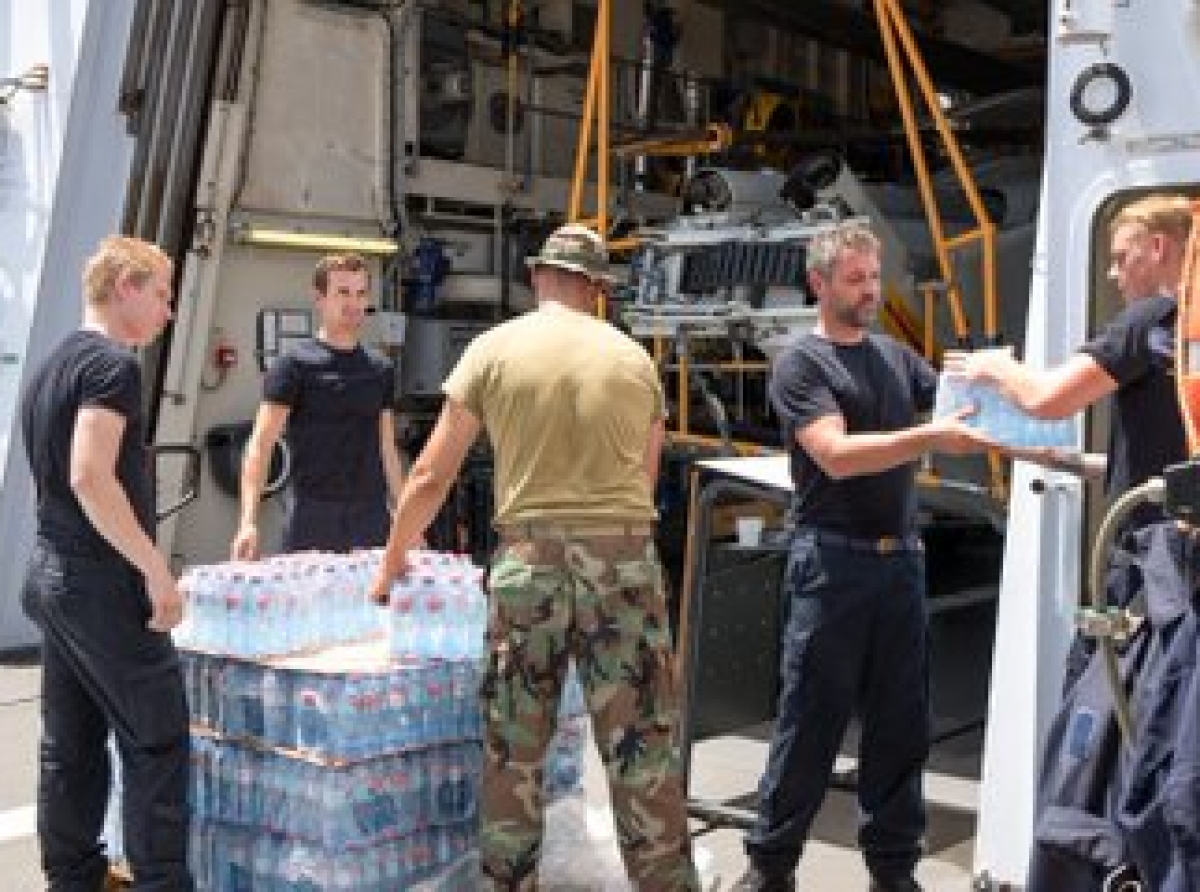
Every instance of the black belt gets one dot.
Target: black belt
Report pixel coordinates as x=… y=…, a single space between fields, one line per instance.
x=880 y=545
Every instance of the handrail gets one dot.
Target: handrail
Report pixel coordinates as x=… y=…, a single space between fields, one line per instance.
x=901 y=48
x=596 y=111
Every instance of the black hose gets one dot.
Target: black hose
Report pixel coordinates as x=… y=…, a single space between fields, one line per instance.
x=1152 y=491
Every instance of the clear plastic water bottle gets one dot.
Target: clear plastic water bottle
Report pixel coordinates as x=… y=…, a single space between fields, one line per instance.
x=404 y=618
x=265 y=861
x=432 y=611
x=252 y=701
x=312 y=716
x=397 y=728
x=458 y=631
x=278 y=727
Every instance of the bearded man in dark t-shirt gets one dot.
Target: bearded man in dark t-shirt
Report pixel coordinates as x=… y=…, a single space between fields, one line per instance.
x=101 y=593
x=848 y=401
x=335 y=397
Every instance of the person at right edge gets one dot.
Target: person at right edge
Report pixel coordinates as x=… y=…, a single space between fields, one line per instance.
x=855 y=639
x=1132 y=358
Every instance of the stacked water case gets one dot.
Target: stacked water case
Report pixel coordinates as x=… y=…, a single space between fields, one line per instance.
x=334 y=746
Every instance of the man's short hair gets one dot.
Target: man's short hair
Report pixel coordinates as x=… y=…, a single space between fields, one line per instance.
x=1167 y=215
x=120 y=256
x=345 y=263
x=821 y=251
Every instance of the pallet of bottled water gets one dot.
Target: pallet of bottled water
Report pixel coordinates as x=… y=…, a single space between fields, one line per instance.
x=999 y=418
x=345 y=703
x=263 y=820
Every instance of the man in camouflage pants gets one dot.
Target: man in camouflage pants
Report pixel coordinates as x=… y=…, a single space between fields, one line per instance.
x=574 y=411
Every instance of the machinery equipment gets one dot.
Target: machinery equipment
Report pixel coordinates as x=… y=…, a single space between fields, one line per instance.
x=438 y=141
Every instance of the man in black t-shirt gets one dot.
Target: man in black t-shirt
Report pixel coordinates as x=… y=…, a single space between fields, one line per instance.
x=335 y=397
x=101 y=593
x=1133 y=357
x=855 y=642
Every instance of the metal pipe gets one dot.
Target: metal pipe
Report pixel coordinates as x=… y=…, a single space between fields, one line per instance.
x=183 y=162
x=603 y=113
x=133 y=75
x=163 y=124
x=512 y=20
x=145 y=89
x=249 y=76
x=583 y=142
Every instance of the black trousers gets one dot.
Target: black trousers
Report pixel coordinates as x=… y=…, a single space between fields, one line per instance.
x=102 y=671
x=855 y=642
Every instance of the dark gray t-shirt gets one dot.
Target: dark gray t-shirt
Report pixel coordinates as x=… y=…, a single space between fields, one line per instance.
x=336 y=398
x=877 y=385
x=86 y=369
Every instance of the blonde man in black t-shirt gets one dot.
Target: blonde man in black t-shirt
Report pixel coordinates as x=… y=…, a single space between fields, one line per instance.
x=102 y=594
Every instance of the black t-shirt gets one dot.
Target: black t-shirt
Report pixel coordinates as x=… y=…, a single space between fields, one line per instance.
x=877 y=385
x=336 y=398
x=86 y=369
x=1137 y=349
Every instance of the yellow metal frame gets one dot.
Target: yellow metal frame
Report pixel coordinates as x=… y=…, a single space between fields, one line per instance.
x=596 y=112
x=716 y=137
x=903 y=56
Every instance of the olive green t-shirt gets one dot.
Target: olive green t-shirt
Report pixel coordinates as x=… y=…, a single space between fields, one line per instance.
x=568 y=402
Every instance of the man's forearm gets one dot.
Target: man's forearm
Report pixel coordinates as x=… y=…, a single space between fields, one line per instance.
x=859 y=454
x=250 y=494
x=423 y=495
x=107 y=507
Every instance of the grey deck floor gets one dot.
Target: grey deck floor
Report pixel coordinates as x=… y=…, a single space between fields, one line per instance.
x=724 y=768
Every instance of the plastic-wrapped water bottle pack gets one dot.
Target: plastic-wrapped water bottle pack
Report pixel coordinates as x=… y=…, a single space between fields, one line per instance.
x=998 y=418
x=352 y=805
x=319 y=710
x=283 y=605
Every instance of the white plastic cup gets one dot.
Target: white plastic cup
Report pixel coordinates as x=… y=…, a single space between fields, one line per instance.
x=749 y=531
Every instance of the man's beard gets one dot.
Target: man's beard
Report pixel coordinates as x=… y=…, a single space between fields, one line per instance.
x=859 y=316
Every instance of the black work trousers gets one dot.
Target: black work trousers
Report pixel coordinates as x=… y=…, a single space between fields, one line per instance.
x=102 y=671
x=855 y=642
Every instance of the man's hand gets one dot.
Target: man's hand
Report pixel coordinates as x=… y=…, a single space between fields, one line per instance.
x=389 y=572
x=245 y=543
x=952 y=435
x=166 y=599
x=990 y=366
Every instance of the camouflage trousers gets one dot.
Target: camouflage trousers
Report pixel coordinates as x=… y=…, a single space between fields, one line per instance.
x=599 y=600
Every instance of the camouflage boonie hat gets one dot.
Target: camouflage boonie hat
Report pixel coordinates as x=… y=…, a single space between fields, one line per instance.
x=574 y=248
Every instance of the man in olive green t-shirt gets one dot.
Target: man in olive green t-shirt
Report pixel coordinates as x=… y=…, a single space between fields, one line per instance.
x=574 y=411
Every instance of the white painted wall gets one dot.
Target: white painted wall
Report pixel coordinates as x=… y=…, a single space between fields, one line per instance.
x=64 y=155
